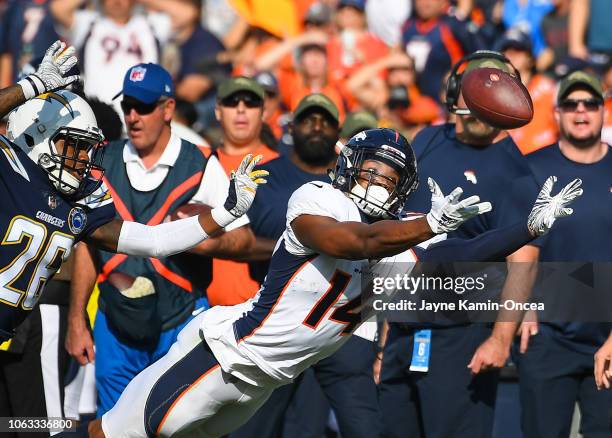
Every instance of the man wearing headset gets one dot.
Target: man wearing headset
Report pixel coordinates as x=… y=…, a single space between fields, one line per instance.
x=484 y=160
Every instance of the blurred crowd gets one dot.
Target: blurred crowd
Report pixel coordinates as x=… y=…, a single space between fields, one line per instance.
x=377 y=63
x=387 y=57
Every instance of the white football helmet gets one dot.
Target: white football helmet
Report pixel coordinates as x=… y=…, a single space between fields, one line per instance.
x=40 y=123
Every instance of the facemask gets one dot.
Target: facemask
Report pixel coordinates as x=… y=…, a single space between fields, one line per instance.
x=372 y=202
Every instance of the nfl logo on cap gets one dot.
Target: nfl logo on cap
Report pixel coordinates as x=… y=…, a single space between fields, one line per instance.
x=137 y=74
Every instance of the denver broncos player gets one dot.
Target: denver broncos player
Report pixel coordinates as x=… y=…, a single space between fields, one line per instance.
x=228 y=359
x=52 y=193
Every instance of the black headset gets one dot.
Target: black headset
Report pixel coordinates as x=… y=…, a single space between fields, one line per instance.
x=453 y=84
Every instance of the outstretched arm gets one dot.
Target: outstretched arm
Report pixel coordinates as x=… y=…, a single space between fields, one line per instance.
x=50 y=76
x=522 y=271
x=170 y=238
x=496 y=245
x=356 y=240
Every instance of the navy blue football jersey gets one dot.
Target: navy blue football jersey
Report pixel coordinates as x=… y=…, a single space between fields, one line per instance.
x=488 y=172
x=38 y=229
x=268 y=214
x=583 y=236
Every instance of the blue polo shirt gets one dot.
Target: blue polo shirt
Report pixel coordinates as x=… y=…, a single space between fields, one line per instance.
x=582 y=237
x=486 y=171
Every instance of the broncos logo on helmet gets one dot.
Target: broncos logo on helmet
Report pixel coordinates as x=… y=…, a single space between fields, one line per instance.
x=386 y=146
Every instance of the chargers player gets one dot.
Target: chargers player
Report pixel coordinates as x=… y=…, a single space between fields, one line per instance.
x=227 y=360
x=52 y=192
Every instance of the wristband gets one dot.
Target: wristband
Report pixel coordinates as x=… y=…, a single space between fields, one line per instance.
x=31 y=86
x=222 y=217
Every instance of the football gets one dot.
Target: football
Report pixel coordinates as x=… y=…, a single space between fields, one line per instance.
x=497 y=98
x=121 y=281
x=189 y=210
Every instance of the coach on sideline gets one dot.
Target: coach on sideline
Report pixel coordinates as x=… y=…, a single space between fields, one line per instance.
x=556 y=371
x=450 y=396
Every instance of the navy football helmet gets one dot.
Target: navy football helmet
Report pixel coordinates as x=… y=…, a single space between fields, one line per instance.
x=386 y=146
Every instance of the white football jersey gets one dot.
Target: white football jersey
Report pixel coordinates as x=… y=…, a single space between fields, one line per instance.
x=302 y=312
x=109 y=49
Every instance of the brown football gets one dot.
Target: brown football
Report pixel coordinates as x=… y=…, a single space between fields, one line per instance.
x=497 y=98
x=188 y=210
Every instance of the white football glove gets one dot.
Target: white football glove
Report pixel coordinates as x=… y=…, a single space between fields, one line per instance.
x=242 y=189
x=448 y=213
x=58 y=60
x=548 y=208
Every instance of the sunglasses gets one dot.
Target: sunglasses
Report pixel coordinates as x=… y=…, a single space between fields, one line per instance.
x=250 y=101
x=140 y=107
x=571 y=105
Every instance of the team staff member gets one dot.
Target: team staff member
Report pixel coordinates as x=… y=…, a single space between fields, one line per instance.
x=345 y=376
x=557 y=371
x=240 y=112
x=603 y=362
x=485 y=161
x=145 y=302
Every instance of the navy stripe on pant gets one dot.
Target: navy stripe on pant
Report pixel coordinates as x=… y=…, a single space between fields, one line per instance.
x=174 y=382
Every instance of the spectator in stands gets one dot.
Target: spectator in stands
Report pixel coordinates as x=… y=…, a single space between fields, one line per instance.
x=144 y=302
x=527 y=15
x=357 y=122
x=555 y=34
x=319 y=17
x=345 y=376
x=388 y=88
x=385 y=19
x=542 y=130
x=115 y=38
x=199 y=65
x=185 y=120
x=275 y=117
x=197 y=46
x=26 y=30
x=240 y=112
x=354 y=45
x=556 y=370
x=309 y=74
x=590 y=33
x=435 y=42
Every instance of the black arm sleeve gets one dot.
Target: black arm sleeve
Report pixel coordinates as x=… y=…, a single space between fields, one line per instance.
x=492 y=246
